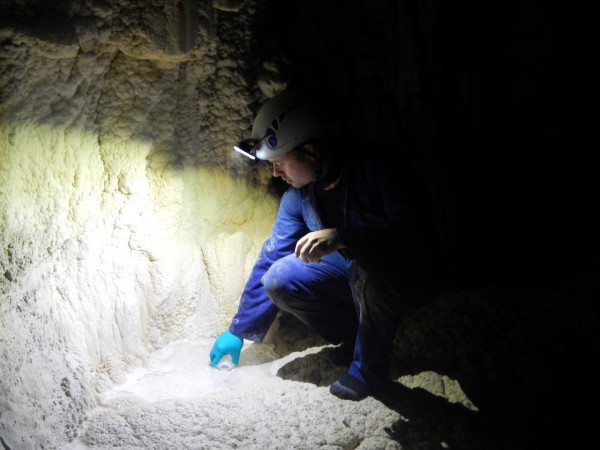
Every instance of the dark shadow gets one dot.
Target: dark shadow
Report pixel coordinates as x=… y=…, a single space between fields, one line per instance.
x=321 y=368
x=523 y=355
x=428 y=421
x=431 y=422
x=287 y=334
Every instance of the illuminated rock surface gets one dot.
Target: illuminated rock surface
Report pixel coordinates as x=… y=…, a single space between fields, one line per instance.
x=128 y=226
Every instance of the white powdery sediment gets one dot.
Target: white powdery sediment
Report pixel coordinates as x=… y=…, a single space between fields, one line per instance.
x=179 y=401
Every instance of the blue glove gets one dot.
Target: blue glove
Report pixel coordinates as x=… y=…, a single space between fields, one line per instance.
x=226 y=343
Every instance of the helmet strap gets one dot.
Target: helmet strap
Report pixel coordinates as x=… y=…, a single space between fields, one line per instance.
x=313 y=154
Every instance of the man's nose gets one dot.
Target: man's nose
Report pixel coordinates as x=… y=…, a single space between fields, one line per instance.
x=276 y=171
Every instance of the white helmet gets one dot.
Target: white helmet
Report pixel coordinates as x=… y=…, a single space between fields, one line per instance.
x=282 y=124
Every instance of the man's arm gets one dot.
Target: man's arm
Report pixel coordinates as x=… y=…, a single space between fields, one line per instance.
x=256 y=312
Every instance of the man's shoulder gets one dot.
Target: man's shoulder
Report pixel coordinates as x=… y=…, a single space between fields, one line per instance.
x=372 y=152
x=292 y=192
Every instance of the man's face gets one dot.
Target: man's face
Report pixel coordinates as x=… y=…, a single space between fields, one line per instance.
x=297 y=170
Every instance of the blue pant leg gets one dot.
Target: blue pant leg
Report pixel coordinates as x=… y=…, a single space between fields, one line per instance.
x=383 y=297
x=376 y=329
x=318 y=294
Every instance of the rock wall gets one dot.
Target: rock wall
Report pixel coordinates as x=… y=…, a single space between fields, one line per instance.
x=126 y=222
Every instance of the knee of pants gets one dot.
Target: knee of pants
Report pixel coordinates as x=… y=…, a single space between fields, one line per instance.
x=279 y=281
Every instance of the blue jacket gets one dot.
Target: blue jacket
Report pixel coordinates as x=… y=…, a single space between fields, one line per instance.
x=382 y=211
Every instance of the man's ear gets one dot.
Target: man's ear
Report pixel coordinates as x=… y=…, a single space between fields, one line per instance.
x=310 y=149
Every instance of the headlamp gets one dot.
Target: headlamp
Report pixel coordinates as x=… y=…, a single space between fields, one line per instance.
x=247 y=148
x=250 y=147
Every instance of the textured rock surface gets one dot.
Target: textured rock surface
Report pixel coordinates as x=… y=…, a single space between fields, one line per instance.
x=127 y=223
x=124 y=226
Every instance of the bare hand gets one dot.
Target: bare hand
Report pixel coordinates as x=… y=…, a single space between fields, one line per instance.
x=316 y=244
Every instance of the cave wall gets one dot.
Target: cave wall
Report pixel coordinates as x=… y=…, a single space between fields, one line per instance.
x=126 y=221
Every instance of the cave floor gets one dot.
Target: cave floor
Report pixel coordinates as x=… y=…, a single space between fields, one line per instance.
x=179 y=401
x=521 y=354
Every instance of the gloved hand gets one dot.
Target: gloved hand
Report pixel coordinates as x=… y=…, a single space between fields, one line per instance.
x=226 y=343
